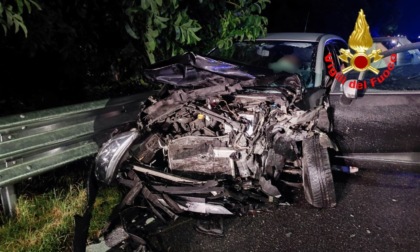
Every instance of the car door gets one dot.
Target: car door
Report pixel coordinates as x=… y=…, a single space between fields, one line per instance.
x=383 y=122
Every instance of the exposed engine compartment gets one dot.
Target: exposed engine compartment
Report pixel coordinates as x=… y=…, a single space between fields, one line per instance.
x=229 y=131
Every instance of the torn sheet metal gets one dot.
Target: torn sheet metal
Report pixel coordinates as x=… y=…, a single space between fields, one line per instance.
x=205 y=208
x=184 y=70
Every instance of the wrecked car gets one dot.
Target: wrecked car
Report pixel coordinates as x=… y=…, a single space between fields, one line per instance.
x=229 y=127
x=222 y=124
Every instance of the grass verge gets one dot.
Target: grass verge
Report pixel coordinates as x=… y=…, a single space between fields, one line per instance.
x=45 y=222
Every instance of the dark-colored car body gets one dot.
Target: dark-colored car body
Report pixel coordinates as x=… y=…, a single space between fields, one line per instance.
x=381 y=127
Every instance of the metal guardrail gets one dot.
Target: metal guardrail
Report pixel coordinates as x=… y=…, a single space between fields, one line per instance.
x=40 y=141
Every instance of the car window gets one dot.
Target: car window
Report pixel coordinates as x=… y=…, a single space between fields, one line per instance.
x=400 y=73
x=275 y=56
x=402 y=78
x=333 y=48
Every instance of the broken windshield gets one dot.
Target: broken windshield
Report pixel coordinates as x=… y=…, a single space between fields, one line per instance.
x=271 y=57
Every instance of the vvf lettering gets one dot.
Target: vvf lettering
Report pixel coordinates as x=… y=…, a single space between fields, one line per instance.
x=361 y=84
x=332 y=71
x=385 y=74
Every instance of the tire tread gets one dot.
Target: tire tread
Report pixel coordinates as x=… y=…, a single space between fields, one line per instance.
x=317 y=177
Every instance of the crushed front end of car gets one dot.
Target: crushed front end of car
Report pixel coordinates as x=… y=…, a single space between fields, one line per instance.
x=215 y=141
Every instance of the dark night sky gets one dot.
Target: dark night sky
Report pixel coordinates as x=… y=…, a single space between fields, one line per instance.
x=409 y=22
x=385 y=17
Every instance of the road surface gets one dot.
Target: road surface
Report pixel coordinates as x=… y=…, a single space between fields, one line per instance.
x=377 y=210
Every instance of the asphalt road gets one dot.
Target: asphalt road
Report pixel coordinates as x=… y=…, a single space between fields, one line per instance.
x=377 y=210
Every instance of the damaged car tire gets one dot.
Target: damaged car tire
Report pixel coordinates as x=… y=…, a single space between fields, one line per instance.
x=317 y=177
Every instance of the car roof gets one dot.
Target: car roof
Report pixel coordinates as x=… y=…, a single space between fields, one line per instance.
x=297 y=36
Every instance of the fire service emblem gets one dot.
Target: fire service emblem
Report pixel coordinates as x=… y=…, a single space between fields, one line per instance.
x=360 y=41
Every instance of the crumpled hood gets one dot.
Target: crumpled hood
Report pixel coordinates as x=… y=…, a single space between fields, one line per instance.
x=193 y=70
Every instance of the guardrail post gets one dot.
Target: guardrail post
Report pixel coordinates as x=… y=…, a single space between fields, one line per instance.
x=8 y=199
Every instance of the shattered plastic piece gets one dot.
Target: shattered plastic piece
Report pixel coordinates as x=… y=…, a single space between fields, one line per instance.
x=150 y=220
x=166 y=176
x=101 y=246
x=326 y=142
x=268 y=188
x=210 y=226
x=285 y=203
x=116 y=236
x=198 y=207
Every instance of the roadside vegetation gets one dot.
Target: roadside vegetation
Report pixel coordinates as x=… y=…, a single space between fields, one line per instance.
x=46 y=208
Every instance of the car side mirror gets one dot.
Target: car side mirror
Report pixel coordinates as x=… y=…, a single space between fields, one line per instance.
x=349 y=90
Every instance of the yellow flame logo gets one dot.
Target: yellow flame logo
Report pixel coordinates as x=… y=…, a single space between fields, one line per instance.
x=360 y=41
